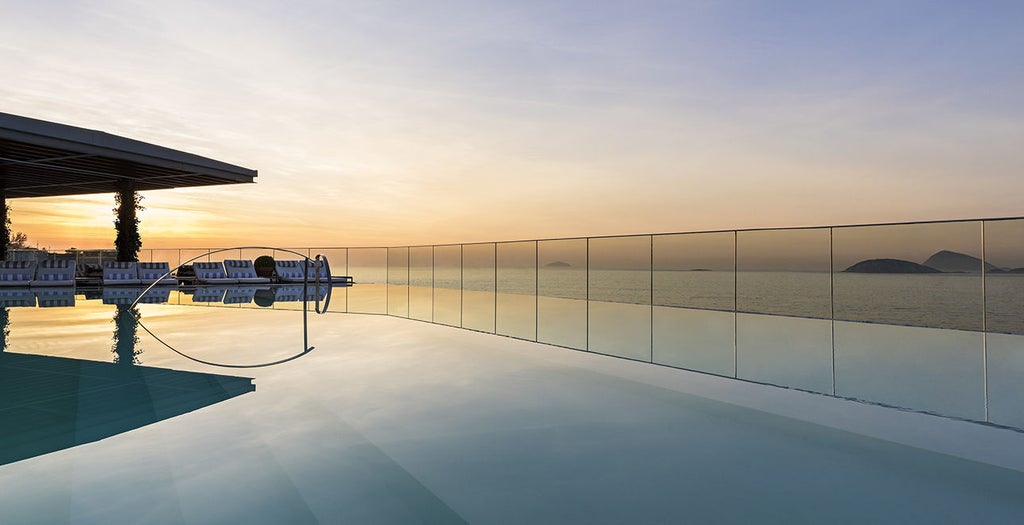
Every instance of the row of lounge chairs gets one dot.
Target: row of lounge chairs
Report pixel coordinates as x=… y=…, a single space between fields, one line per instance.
x=48 y=273
x=231 y=271
x=125 y=295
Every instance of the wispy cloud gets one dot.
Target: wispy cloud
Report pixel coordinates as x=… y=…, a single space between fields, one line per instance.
x=412 y=122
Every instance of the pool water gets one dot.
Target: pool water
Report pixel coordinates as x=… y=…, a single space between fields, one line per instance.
x=389 y=420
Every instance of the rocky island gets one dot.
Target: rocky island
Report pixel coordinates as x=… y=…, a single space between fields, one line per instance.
x=890 y=266
x=947 y=261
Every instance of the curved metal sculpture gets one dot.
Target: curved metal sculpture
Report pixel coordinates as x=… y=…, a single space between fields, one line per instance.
x=319 y=262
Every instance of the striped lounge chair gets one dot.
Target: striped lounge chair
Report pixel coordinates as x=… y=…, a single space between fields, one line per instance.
x=55 y=273
x=212 y=273
x=17 y=273
x=289 y=271
x=325 y=276
x=156 y=271
x=243 y=271
x=120 y=273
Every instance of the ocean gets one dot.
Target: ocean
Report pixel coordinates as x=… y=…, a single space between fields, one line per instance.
x=959 y=301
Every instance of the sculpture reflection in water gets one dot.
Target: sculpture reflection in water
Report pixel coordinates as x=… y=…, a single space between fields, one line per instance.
x=50 y=403
x=306 y=293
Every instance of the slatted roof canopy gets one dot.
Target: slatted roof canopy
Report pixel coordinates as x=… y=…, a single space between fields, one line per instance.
x=44 y=159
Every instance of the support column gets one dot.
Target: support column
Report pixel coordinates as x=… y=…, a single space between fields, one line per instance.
x=126 y=221
x=5 y=219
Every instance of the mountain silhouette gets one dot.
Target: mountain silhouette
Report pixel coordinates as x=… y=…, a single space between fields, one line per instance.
x=890 y=266
x=948 y=261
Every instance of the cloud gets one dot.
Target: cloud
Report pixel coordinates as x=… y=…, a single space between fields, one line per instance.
x=412 y=122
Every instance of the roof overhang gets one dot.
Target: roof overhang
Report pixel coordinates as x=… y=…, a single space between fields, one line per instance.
x=44 y=159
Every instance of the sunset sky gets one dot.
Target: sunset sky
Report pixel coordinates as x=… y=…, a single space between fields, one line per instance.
x=391 y=123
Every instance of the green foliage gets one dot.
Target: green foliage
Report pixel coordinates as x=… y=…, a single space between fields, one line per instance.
x=264 y=265
x=126 y=222
x=18 y=241
x=5 y=228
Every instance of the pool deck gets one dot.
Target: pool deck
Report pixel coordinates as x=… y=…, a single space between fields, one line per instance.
x=397 y=421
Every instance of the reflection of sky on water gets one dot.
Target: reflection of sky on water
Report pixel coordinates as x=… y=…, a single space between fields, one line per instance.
x=392 y=421
x=785 y=350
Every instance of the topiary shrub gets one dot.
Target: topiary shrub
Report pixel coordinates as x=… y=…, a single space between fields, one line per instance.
x=264 y=265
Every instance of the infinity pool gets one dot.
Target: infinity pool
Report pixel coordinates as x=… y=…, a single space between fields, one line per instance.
x=389 y=420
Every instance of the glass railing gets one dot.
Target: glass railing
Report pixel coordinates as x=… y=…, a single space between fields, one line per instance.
x=924 y=316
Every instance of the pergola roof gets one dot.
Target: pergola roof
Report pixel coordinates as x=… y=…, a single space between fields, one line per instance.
x=42 y=159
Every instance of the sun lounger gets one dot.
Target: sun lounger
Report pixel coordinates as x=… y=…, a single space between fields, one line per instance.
x=243 y=271
x=55 y=273
x=17 y=273
x=153 y=271
x=120 y=273
x=325 y=277
x=89 y=273
x=212 y=273
x=288 y=271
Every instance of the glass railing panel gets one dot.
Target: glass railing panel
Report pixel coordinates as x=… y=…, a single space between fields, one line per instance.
x=398 y=282
x=619 y=308
x=368 y=268
x=783 y=330
x=200 y=255
x=694 y=296
x=1005 y=354
x=217 y=255
x=695 y=270
x=784 y=272
x=169 y=256
x=252 y=254
x=262 y=296
x=562 y=292
x=421 y=282
x=911 y=292
x=337 y=259
x=909 y=274
x=1004 y=276
x=478 y=281
x=793 y=352
x=516 y=302
x=926 y=369
x=1004 y=310
x=448 y=285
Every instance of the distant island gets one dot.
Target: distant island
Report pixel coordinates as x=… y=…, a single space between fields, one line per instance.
x=890 y=266
x=943 y=261
x=947 y=261
x=557 y=264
